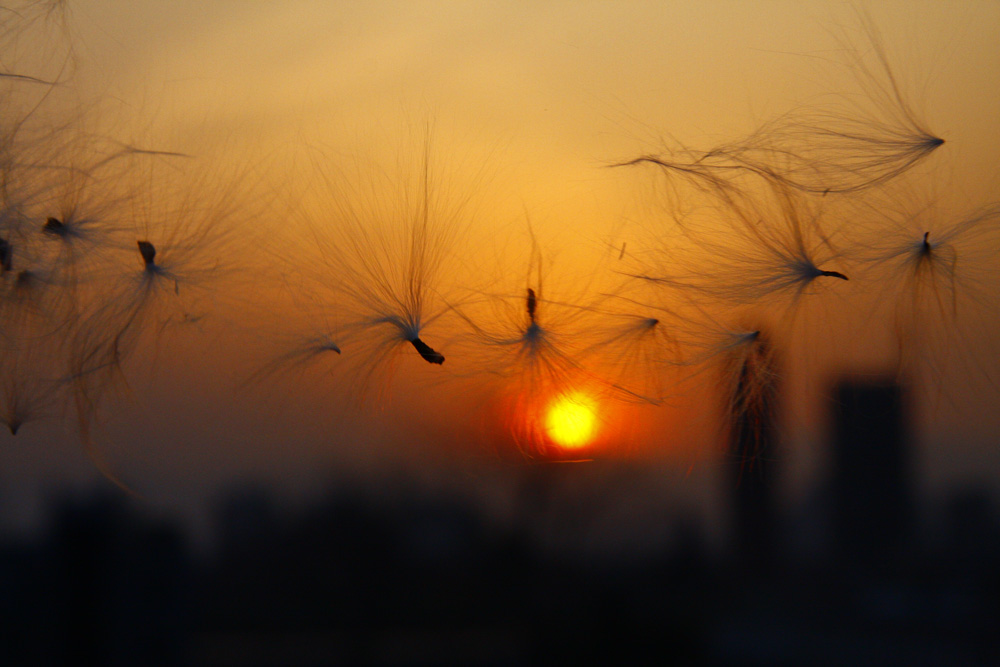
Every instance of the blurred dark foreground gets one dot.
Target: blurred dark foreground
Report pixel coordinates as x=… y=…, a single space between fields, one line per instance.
x=366 y=576
x=354 y=580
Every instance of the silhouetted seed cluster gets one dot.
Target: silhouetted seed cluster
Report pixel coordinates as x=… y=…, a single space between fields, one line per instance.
x=754 y=233
x=105 y=245
x=757 y=234
x=76 y=297
x=753 y=376
x=526 y=344
x=71 y=310
x=765 y=238
x=526 y=340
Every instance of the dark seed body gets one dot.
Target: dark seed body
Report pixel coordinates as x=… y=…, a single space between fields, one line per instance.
x=427 y=353
x=148 y=252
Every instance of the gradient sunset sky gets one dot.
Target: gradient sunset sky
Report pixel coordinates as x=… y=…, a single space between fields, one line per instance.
x=520 y=108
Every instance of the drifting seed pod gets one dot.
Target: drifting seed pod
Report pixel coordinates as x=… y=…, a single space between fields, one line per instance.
x=750 y=387
x=842 y=148
x=636 y=348
x=34 y=317
x=933 y=276
x=83 y=210
x=27 y=393
x=15 y=238
x=370 y=257
x=182 y=245
x=527 y=348
x=321 y=354
x=765 y=247
x=525 y=337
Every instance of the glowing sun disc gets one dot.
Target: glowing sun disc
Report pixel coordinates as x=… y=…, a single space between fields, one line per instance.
x=571 y=420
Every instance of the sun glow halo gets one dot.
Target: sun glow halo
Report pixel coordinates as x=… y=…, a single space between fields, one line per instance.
x=571 y=420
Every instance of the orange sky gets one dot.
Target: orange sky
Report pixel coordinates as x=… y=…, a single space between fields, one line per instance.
x=526 y=104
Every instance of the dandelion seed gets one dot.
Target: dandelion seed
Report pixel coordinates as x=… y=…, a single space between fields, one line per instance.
x=80 y=206
x=750 y=385
x=30 y=354
x=33 y=303
x=932 y=274
x=300 y=355
x=766 y=247
x=635 y=347
x=128 y=304
x=26 y=396
x=528 y=349
x=367 y=270
x=839 y=149
x=536 y=349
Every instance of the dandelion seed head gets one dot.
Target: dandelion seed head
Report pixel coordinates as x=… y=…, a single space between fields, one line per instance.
x=749 y=384
x=369 y=243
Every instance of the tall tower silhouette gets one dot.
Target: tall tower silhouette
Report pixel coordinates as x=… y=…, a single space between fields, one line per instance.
x=871 y=476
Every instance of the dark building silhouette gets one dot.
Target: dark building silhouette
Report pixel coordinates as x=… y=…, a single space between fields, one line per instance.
x=366 y=576
x=107 y=585
x=871 y=474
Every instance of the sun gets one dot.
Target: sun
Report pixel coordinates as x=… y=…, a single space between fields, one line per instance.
x=571 y=420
